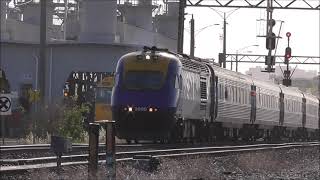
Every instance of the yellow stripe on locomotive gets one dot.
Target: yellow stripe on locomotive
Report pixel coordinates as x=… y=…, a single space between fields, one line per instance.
x=147 y=62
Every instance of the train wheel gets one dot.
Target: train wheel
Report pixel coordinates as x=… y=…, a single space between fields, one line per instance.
x=128 y=141
x=136 y=141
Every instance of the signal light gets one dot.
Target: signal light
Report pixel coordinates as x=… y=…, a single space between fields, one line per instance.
x=288 y=52
x=287 y=55
x=271 y=39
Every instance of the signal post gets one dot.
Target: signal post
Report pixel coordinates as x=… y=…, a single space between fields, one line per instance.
x=102 y=115
x=287 y=73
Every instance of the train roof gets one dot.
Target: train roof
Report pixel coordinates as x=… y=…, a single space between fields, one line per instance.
x=231 y=75
x=200 y=65
x=309 y=97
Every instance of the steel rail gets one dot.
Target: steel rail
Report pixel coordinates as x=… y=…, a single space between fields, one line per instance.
x=48 y=162
x=42 y=147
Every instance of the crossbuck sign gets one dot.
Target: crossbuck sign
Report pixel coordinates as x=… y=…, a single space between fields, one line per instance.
x=5 y=104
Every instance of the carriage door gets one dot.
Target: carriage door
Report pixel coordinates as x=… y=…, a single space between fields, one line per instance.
x=304 y=111
x=213 y=88
x=253 y=97
x=203 y=95
x=281 y=107
x=319 y=115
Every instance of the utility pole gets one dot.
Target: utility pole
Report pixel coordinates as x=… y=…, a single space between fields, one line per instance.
x=224 y=39
x=192 y=40
x=43 y=43
x=182 y=5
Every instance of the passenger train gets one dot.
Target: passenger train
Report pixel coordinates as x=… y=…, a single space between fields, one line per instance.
x=161 y=95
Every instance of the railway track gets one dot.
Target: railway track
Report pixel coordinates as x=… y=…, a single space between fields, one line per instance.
x=46 y=147
x=17 y=166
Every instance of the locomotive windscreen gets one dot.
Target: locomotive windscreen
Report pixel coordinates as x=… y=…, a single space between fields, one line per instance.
x=137 y=80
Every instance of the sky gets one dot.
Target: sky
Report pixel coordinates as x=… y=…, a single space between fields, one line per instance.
x=243 y=29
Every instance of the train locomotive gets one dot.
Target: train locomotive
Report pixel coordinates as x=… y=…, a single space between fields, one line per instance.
x=161 y=95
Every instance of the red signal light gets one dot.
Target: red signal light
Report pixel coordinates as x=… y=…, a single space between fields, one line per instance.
x=288 y=53
x=288 y=56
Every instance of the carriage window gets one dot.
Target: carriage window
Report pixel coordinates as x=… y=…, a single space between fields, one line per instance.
x=233 y=91
x=143 y=80
x=219 y=91
x=242 y=96
x=222 y=91
x=226 y=93
x=239 y=95
x=203 y=89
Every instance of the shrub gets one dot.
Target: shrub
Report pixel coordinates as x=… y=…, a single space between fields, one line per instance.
x=72 y=122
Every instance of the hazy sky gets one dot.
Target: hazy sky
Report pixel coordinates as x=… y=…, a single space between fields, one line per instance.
x=243 y=28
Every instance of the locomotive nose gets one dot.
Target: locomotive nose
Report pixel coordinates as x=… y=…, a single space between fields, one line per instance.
x=146 y=123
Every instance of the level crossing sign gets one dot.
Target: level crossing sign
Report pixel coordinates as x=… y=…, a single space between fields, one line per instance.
x=5 y=104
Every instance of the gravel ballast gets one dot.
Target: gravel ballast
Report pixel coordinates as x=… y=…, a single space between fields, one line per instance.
x=299 y=163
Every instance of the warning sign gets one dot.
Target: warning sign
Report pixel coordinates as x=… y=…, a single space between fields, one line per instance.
x=5 y=104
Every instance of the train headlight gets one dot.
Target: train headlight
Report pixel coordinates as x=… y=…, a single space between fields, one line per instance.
x=150 y=109
x=148 y=57
x=130 y=109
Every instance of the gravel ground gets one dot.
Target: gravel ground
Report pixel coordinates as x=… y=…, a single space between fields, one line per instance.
x=300 y=163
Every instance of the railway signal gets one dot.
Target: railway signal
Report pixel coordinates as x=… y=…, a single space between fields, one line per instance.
x=287 y=73
x=271 y=42
x=287 y=55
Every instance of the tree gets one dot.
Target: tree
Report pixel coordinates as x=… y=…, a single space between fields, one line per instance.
x=72 y=122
